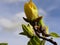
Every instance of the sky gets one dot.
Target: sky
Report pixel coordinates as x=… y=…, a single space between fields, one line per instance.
x=12 y=11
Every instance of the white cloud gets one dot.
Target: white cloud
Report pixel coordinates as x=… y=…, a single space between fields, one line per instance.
x=7 y=25
x=16 y=22
x=5 y=22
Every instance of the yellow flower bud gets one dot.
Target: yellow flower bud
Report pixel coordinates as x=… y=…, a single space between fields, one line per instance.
x=30 y=10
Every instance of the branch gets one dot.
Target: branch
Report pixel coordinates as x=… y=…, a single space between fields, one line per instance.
x=44 y=38
x=50 y=40
x=37 y=33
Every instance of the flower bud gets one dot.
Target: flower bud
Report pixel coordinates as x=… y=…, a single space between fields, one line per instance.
x=28 y=30
x=30 y=10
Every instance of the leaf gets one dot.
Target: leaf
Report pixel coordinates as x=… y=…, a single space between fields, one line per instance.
x=42 y=42
x=34 y=41
x=22 y=33
x=30 y=43
x=36 y=38
x=53 y=34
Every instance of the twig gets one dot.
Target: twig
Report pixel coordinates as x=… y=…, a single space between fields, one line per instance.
x=50 y=40
x=44 y=38
x=37 y=33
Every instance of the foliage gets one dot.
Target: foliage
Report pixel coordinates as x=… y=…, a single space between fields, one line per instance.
x=53 y=34
x=3 y=43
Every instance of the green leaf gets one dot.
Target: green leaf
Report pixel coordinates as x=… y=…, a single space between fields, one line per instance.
x=36 y=38
x=30 y=43
x=34 y=41
x=22 y=33
x=53 y=34
x=42 y=42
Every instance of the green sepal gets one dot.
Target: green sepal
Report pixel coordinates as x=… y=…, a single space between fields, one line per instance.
x=40 y=21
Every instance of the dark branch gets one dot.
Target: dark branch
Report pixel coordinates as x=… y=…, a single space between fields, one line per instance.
x=53 y=42
x=37 y=32
x=50 y=40
x=44 y=38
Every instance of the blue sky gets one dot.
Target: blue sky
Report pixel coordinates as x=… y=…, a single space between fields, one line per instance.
x=12 y=11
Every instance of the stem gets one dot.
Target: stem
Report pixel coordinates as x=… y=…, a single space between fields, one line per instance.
x=37 y=33
x=44 y=38
x=50 y=40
